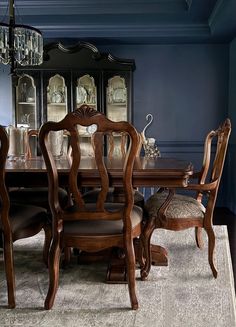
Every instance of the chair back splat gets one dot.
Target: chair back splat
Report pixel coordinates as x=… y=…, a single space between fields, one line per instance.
x=173 y=211
x=212 y=167
x=91 y=227
x=117 y=145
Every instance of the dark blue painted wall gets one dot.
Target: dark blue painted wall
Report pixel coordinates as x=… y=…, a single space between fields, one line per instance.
x=185 y=87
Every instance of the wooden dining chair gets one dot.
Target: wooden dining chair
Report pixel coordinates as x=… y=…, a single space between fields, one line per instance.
x=176 y=212
x=116 y=147
x=35 y=195
x=91 y=227
x=17 y=221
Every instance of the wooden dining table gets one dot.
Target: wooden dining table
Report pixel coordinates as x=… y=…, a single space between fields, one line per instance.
x=147 y=172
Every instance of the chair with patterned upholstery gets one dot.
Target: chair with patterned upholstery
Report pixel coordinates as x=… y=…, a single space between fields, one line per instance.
x=172 y=211
x=17 y=221
x=96 y=226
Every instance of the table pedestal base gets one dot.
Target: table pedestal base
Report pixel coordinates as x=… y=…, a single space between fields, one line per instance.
x=116 y=271
x=159 y=255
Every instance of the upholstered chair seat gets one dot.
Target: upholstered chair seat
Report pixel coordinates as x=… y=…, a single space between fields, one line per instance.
x=102 y=227
x=181 y=206
x=21 y=216
x=26 y=215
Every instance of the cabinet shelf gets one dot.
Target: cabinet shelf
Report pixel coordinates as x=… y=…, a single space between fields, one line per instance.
x=118 y=104
x=57 y=104
x=27 y=103
x=87 y=103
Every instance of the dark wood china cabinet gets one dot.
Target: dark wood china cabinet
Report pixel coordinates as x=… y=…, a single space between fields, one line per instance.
x=68 y=78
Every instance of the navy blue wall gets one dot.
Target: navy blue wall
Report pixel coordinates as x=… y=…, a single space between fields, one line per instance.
x=185 y=87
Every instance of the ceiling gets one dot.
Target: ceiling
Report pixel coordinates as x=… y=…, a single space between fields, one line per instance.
x=129 y=21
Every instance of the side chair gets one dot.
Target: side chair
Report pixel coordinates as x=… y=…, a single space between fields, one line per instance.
x=171 y=211
x=35 y=195
x=119 y=141
x=17 y=221
x=87 y=226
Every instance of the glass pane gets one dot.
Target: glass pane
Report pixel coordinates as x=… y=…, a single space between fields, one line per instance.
x=116 y=99
x=86 y=91
x=26 y=102
x=117 y=109
x=56 y=98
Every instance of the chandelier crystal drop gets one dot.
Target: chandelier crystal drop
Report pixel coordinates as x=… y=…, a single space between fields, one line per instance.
x=20 y=44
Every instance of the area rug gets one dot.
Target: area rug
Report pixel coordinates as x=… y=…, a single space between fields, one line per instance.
x=183 y=294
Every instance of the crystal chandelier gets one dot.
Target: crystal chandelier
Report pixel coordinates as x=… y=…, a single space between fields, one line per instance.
x=19 y=44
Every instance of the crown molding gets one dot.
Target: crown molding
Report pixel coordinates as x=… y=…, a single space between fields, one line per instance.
x=75 y=7
x=169 y=20
x=98 y=30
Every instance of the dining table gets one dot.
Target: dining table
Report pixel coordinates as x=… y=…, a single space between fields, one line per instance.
x=162 y=172
x=147 y=172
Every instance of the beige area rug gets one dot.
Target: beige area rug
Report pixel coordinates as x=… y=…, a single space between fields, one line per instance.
x=183 y=294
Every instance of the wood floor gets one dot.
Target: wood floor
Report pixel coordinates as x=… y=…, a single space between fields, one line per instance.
x=223 y=216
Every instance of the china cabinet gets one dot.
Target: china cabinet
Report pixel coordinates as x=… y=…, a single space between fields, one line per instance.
x=69 y=77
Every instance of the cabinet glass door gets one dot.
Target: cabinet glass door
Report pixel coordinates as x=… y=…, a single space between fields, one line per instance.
x=116 y=109
x=26 y=114
x=116 y=99
x=56 y=98
x=86 y=91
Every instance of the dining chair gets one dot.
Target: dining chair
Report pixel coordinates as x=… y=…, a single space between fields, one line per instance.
x=35 y=195
x=116 y=142
x=96 y=226
x=171 y=211
x=17 y=221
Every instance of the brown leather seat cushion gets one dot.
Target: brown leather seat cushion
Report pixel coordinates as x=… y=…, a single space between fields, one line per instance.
x=23 y=216
x=102 y=226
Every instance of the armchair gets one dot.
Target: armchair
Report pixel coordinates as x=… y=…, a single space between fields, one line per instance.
x=172 y=211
